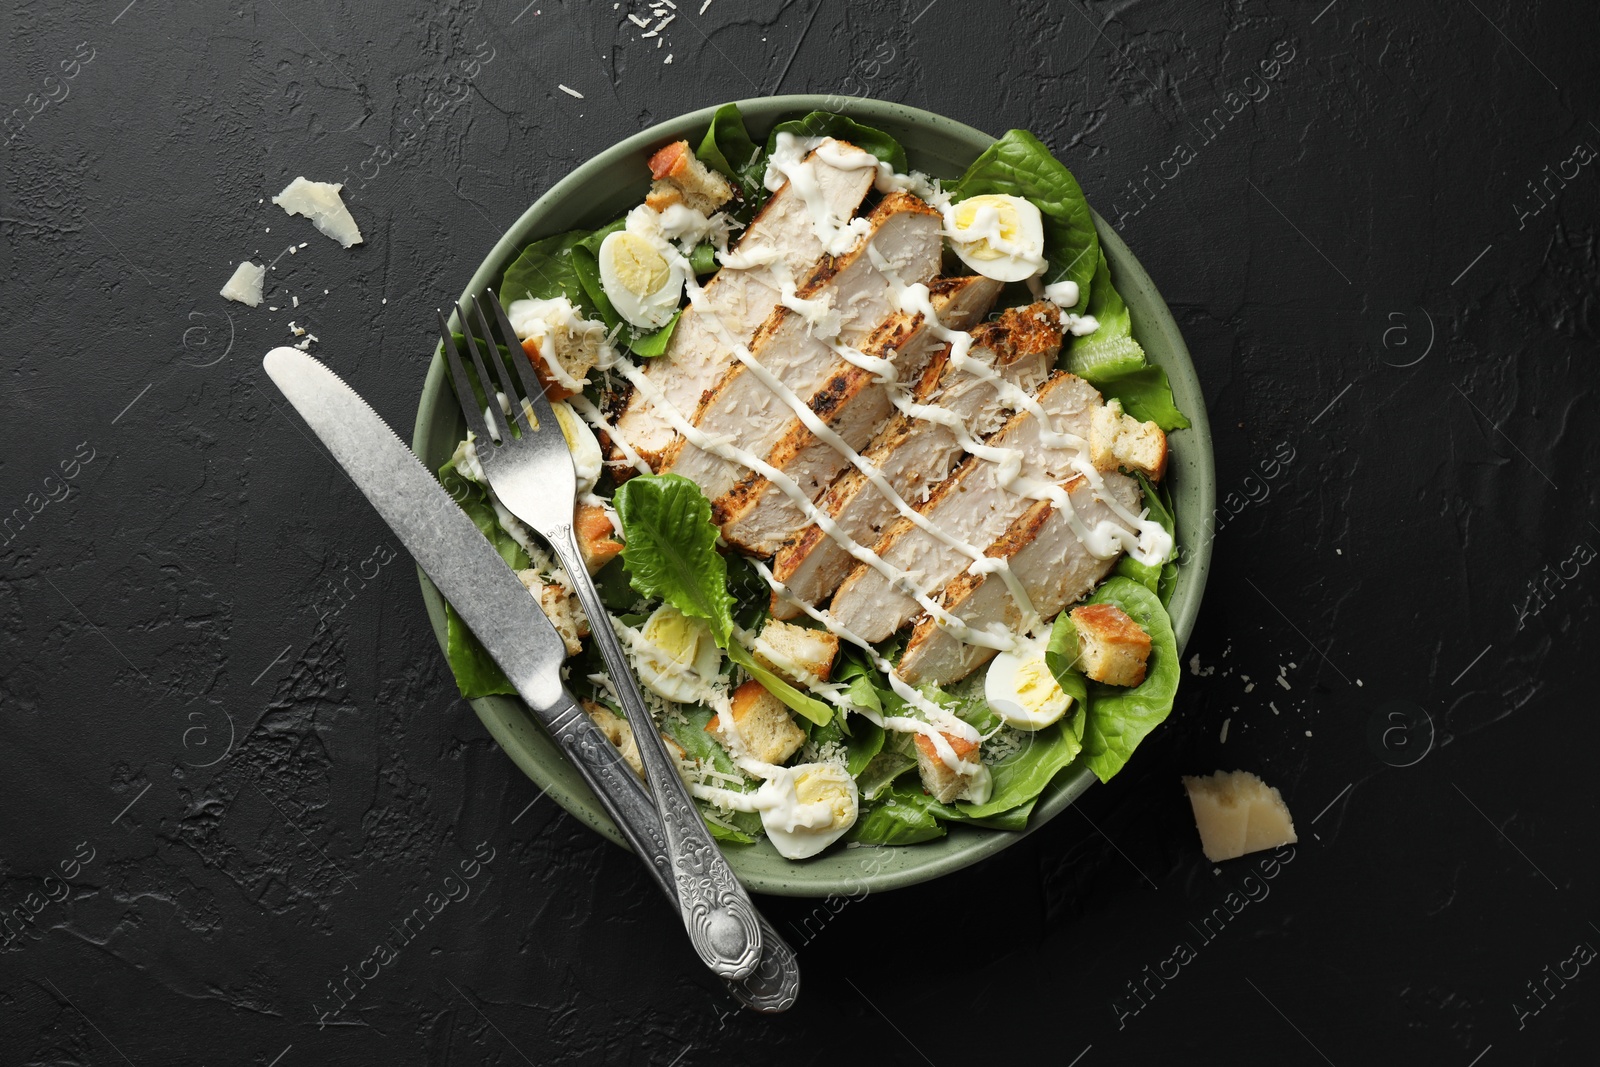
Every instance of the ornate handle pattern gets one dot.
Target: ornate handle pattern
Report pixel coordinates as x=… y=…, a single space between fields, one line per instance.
x=716 y=911
x=774 y=984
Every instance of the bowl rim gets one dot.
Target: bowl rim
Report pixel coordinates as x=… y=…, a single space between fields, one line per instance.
x=509 y=728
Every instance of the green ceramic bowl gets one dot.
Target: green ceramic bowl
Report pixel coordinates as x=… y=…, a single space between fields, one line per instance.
x=614 y=181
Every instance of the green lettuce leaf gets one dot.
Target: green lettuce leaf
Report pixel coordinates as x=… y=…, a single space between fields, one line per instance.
x=1019 y=164
x=545 y=271
x=1117 y=718
x=862 y=740
x=690 y=732
x=670 y=551
x=1112 y=361
x=1111 y=350
x=829 y=124
x=1147 y=575
x=1147 y=396
x=881 y=771
x=728 y=149
x=904 y=815
x=476 y=673
x=1021 y=777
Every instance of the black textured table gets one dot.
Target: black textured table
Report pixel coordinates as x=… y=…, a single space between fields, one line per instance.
x=242 y=797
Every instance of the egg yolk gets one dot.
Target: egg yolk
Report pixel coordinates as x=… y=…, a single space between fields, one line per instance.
x=638 y=266
x=1005 y=224
x=1037 y=688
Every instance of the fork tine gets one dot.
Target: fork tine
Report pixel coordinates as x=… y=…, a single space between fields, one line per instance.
x=458 y=374
x=496 y=417
x=519 y=406
x=532 y=386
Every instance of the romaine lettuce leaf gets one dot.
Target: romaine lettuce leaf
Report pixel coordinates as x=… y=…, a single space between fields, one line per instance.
x=689 y=731
x=727 y=148
x=670 y=551
x=545 y=271
x=476 y=673
x=1147 y=396
x=1149 y=576
x=1020 y=778
x=903 y=815
x=829 y=124
x=1117 y=718
x=1019 y=164
x=1112 y=361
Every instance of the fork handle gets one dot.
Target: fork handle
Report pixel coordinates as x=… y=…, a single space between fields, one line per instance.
x=771 y=987
x=717 y=913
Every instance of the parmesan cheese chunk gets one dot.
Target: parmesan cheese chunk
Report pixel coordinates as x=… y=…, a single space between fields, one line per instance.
x=1238 y=813
x=245 y=285
x=319 y=202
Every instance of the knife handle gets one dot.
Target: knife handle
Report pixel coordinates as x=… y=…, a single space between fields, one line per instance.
x=775 y=983
x=717 y=913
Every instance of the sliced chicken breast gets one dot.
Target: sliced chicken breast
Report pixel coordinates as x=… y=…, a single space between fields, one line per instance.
x=971 y=506
x=742 y=409
x=779 y=243
x=1045 y=556
x=756 y=515
x=914 y=455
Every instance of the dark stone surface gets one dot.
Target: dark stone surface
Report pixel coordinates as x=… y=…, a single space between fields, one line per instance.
x=1397 y=342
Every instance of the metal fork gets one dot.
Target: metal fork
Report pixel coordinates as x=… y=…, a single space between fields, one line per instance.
x=529 y=466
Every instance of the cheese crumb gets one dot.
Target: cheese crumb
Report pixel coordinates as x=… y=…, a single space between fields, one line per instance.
x=1237 y=814
x=295 y=300
x=245 y=284
x=319 y=202
x=569 y=91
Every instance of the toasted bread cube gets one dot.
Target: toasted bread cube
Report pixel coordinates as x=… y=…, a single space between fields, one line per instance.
x=1114 y=648
x=799 y=656
x=700 y=187
x=597 y=538
x=942 y=782
x=1119 y=440
x=620 y=734
x=560 y=607
x=765 y=726
x=1238 y=813
x=576 y=351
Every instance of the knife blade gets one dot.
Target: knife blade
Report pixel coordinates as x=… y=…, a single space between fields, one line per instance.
x=495 y=606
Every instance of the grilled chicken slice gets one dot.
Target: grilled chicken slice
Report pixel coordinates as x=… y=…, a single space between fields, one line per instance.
x=914 y=455
x=1045 y=556
x=742 y=408
x=970 y=506
x=756 y=515
x=779 y=243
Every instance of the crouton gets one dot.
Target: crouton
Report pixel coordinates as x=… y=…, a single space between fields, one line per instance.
x=765 y=726
x=943 y=783
x=597 y=539
x=620 y=734
x=681 y=178
x=1119 y=440
x=1114 y=648
x=560 y=607
x=1238 y=813
x=799 y=656
x=575 y=350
